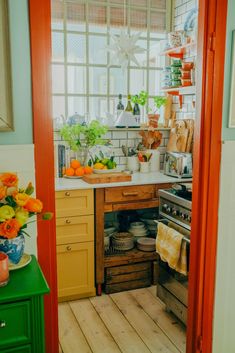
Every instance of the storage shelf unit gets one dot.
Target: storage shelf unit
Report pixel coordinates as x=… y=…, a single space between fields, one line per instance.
x=180 y=92
x=179 y=52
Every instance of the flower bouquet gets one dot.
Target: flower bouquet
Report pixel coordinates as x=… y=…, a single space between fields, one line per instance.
x=16 y=208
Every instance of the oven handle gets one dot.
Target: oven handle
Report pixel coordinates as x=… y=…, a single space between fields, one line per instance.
x=164 y=220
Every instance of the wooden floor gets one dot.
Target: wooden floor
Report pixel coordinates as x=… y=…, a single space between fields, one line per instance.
x=130 y=322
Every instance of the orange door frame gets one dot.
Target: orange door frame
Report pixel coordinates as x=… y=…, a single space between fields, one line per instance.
x=207 y=149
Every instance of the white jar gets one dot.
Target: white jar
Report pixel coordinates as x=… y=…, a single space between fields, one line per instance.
x=144 y=167
x=132 y=163
x=154 y=163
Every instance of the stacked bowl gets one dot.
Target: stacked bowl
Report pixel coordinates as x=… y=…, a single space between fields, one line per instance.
x=138 y=230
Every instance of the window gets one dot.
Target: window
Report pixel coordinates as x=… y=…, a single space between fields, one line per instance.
x=85 y=81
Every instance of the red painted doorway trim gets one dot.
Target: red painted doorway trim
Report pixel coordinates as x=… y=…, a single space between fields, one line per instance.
x=40 y=37
x=206 y=166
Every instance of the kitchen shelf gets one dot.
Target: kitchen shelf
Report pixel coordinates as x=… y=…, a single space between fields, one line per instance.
x=131 y=129
x=180 y=90
x=179 y=52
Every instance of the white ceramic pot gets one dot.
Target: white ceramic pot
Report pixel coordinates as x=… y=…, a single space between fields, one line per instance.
x=154 y=163
x=132 y=163
x=144 y=167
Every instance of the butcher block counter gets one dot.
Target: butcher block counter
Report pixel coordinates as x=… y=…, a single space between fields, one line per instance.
x=80 y=218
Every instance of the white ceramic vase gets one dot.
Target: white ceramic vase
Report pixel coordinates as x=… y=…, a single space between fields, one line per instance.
x=154 y=161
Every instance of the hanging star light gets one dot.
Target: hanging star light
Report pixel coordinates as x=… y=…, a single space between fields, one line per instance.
x=124 y=48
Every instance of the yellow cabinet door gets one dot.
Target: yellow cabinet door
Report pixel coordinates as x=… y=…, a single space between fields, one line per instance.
x=74 y=203
x=75 y=270
x=74 y=229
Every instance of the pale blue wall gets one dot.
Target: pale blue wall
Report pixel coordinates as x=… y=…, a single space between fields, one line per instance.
x=21 y=75
x=228 y=134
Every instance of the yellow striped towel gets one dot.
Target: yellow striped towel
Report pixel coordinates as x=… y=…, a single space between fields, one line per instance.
x=171 y=248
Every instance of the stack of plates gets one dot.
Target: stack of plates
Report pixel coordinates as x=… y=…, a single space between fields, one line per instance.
x=123 y=241
x=146 y=244
x=150 y=224
x=138 y=229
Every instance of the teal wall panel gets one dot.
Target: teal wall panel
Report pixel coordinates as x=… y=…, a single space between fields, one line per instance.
x=228 y=134
x=21 y=75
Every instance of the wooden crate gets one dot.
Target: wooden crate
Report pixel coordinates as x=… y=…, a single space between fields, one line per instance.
x=127 y=277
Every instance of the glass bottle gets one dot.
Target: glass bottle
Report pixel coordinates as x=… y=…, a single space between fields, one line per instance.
x=136 y=112
x=120 y=106
x=129 y=106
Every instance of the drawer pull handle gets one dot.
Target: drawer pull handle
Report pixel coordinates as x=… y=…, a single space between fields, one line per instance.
x=67 y=193
x=2 y=323
x=68 y=221
x=134 y=193
x=69 y=248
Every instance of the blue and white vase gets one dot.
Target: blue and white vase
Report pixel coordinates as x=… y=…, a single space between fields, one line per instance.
x=14 y=248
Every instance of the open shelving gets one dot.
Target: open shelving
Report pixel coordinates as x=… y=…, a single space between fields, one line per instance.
x=179 y=52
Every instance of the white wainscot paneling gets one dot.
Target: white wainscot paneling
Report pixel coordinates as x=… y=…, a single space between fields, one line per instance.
x=20 y=159
x=224 y=315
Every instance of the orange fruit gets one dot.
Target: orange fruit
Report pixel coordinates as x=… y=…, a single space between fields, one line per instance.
x=88 y=169
x=75 y=164
x=69 y=171
x=79 y=171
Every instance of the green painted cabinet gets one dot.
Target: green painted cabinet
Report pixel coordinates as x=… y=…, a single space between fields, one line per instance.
x=22 y=312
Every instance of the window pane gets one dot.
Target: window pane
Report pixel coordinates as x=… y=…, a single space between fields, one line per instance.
x=58 y=79
x=57 y=14
x=142 y=57
x=116 y=19
x=98 y=80
x=97 y=52
x=138 y=81
x=138 y=2
x=158 y=4
x=76 y=48
x=138 y=21
x=76 y=105
x=156 y=60
x=75 y=16
x=76 y=79
x=157 y=24
x=97 y=19
x=58 y=106
x=118 y=81
x=57 y=47
x=98 y=107
x=154 y=82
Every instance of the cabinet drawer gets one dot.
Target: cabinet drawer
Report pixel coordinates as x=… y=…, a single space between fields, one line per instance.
x=75 y=270
x=15 y=324
x=74 y=203
x=129 y=193
x=74 y=229
x=22 y=349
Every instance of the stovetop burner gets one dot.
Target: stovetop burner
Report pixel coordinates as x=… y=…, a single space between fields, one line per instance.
x=182 y=190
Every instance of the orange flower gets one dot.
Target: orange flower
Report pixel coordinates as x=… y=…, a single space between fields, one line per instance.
x=3 y=192
x=10 y=228
x=34 y=205
x=21 y=198
x=9 y=179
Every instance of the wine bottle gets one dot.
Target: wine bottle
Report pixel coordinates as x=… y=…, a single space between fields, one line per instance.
x=129 y=106
x=120 y=106
x=136 y=112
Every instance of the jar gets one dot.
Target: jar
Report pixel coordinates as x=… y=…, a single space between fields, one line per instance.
x=144 y=167
x=175 y=76
x=175 y=39
x=175 y=70
x=187 y=65
x=186 y=82
x=176 y=83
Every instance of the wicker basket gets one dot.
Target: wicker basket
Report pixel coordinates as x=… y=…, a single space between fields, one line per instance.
x=123 y=241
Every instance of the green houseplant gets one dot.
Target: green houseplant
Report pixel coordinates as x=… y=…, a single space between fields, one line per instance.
x=154 y=115
x=81 y=138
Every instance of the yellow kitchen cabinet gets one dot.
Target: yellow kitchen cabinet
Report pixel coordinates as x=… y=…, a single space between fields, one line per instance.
x=75 y=244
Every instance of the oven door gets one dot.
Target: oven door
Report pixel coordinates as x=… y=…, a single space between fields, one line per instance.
x=172 y=287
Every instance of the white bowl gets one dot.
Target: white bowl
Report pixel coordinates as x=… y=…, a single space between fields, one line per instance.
x=137 y=225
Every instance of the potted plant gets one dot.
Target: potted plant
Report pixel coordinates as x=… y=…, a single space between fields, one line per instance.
x=139 y=99
x=81 y=138
x=159 y=101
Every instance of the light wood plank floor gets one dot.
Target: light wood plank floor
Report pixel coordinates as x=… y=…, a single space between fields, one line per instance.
x=129 y=322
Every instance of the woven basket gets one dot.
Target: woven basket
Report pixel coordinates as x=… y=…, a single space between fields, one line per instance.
x=123 y=241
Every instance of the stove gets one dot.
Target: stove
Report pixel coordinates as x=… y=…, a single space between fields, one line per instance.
x=175 y=204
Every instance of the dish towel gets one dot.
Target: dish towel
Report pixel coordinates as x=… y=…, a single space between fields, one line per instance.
x=171 y=248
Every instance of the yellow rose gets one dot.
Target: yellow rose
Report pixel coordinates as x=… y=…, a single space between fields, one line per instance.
x=21 y=198
x=22 y=216
x=6 y=212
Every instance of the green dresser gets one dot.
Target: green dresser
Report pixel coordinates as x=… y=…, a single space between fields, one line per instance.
x=22 y=312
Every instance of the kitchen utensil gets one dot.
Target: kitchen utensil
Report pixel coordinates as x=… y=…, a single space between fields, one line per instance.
x=178 y=164
x=178 y=137
x=107 y=178
x=146 y=244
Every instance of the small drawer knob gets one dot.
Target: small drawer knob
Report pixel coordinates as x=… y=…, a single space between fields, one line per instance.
x=2 y=323
x=69 y=248
x=68 y=221
x=67 y=193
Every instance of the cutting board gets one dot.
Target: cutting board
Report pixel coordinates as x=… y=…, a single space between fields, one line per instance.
x=178 y=137
x=107 y=178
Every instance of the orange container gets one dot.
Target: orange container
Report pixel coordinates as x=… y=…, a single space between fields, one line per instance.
x=185 y=74
x=187 y=65
x=186 y=82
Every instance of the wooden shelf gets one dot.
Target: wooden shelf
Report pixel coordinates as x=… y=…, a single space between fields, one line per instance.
x=180 y=90
x=128 y=257
x=179 y=52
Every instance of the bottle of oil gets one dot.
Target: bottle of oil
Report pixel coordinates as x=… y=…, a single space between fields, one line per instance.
x=129 y=106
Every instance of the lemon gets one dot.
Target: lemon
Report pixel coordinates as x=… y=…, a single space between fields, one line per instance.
x=98 y=166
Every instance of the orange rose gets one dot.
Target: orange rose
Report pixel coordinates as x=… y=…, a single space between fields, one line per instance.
x=3 y=192
x=9 y=179
x=21 y=198
x=10 y=228
x=34 y=205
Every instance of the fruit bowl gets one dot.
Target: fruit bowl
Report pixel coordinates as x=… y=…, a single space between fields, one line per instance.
x=105 y=171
